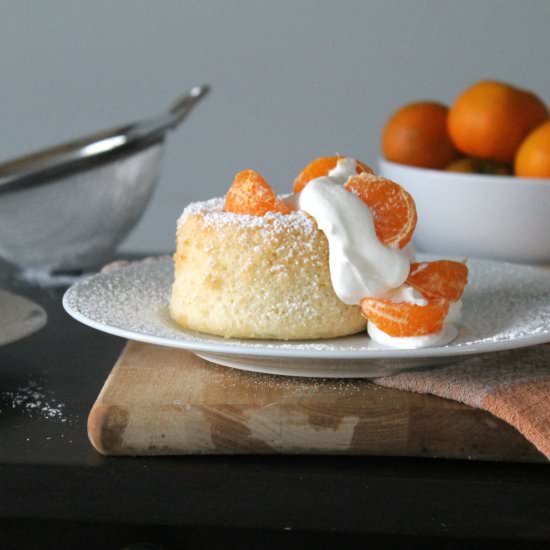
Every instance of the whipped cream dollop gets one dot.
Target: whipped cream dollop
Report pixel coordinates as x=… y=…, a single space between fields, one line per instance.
x=345 y=168
x=444 y=336
x=406 y=293
x=360 y=265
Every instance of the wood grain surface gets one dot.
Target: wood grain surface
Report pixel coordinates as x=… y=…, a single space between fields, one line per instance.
x=160 y=401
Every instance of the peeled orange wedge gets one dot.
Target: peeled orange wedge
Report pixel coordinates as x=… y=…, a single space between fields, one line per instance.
x=321 y=167
x=440 y=279
x=393 y=209
x=440 y=282
x=251 y=194
x=402 y=319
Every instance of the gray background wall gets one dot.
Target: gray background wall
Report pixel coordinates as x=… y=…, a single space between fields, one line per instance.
x=291 y=79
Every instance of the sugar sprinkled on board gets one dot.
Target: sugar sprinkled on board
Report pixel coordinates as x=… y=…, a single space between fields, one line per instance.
x=34 y=401
x=287 y=385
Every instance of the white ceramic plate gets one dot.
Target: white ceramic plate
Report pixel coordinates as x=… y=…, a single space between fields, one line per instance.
x=19 y=317
x=506 y=306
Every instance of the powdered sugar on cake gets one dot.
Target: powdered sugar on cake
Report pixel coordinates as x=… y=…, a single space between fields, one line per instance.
x=213 y=214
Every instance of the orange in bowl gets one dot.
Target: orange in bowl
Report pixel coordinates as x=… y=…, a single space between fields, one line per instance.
x=490 y=119
x=416 y=135
x=533 y=156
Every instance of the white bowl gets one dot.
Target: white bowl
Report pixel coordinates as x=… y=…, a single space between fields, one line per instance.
x=475 y=215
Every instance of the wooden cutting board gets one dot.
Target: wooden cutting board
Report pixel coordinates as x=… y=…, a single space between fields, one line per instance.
x=165 y=401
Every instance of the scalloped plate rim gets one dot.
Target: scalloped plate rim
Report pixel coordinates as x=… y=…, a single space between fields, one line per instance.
x=294 y=349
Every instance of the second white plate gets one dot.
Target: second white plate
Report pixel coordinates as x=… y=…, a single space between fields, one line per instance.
x=19 y=317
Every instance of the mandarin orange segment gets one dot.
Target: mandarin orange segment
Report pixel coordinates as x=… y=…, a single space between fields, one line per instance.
x=402 y=319
x=321 y=167
x=393 y=209
x=315 y=169
x=441 y=279
x=363 y=168
x=251 y=194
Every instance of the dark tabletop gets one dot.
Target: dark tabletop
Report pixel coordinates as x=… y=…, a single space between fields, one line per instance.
x=49 y=471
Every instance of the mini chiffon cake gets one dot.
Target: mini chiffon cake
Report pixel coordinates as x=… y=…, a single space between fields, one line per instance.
x=245 y=276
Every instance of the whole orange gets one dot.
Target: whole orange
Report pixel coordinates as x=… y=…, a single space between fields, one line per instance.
x=533 y=156
x=490 y=119
x=416 y=135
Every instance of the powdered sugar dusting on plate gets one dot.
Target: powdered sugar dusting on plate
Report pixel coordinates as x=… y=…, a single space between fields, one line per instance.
x=505 y=306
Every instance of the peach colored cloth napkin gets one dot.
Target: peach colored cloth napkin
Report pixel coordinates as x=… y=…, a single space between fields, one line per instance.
x=512 y=385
